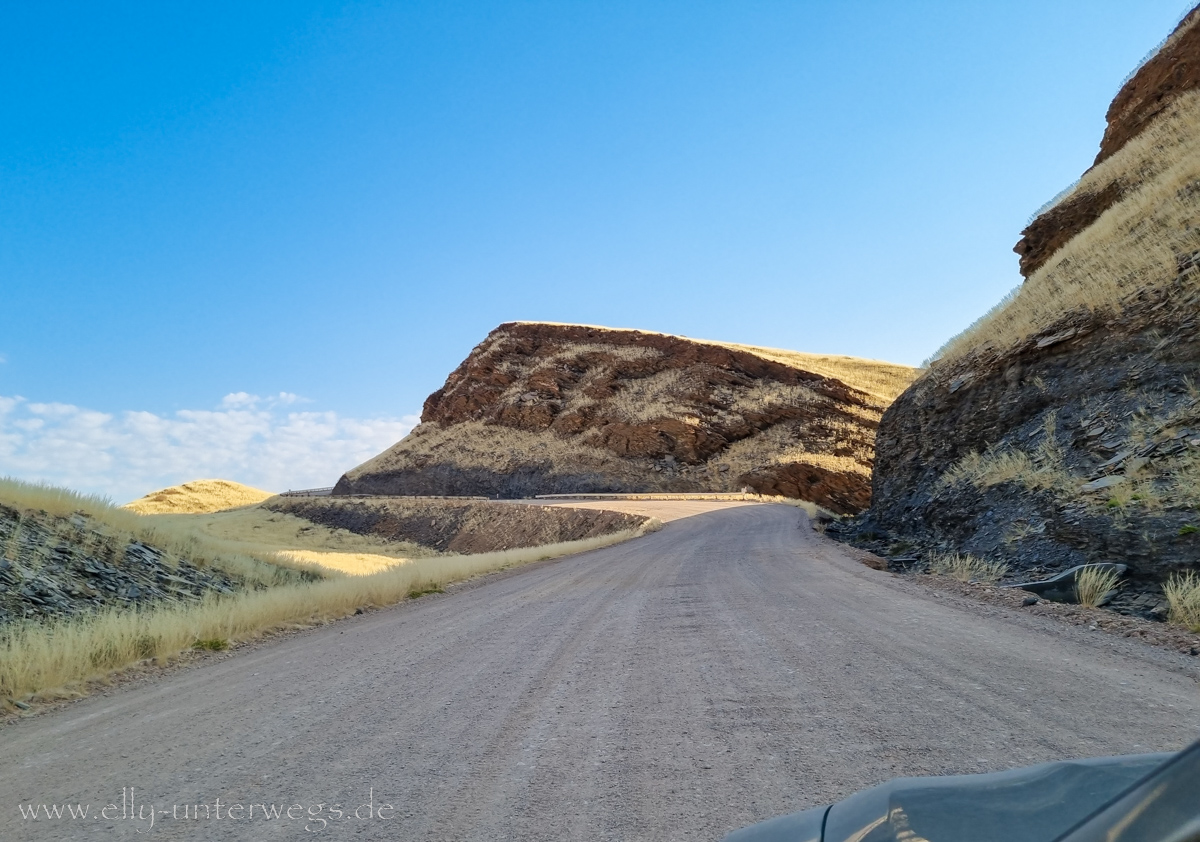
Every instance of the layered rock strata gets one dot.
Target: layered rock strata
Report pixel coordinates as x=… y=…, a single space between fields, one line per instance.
x=542 y=408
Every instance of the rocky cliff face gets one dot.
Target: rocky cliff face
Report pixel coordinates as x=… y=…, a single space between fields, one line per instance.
x=544 y=408
x=1064 y=427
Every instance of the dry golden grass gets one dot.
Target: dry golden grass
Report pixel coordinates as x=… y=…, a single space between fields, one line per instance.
x=882 y=380
x=57 y=659
x=763 y=397
x=1043 y=470
x=984 y=470
x=879 y=379
x=807 y=506
x=1183 y=482
x=778 y=446
x=967 y=568
x=1092 y=584
x=349 y=564
x=288 y=539
x=666 y=394
x=1183 y=600
x=644 y=399
x=176 y=538
x=1132 y=247
x=62 y=502
x=475 y=444
x=199 y=496
x=1169 y=482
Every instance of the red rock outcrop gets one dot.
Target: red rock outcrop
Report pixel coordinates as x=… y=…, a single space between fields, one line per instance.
x=549 y=408
x=1173 y=70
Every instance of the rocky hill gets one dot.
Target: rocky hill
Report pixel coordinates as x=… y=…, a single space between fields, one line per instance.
x=1064 y=426
x=540 y=408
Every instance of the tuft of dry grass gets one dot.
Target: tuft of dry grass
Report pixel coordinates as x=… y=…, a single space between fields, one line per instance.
x=1092 y=584
x=1133 y=246
x=198 y=497
x=57 y=659
x=1043 y=469
x=62 y=502
x=1182 y=591
x=967 y=568
x=995 y=467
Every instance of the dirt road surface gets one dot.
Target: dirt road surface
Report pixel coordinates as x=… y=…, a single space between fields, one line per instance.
x=728 y=668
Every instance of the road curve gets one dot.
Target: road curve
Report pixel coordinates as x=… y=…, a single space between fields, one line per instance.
x=731 y=667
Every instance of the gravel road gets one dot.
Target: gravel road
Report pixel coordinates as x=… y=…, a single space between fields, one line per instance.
x=730 y=667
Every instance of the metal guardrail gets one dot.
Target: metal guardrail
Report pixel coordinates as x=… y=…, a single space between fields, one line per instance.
x=328 y=492
x=698 y=495
x=407 y=497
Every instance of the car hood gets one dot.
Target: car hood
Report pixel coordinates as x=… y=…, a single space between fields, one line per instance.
x=1033 y=804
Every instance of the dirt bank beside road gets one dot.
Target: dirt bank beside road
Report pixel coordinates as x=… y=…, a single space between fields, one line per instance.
x=461 y=526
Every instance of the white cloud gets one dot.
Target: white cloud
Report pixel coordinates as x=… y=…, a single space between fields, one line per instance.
x=234 y=399
x=249 y=439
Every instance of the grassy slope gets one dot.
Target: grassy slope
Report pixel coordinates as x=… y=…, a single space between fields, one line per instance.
x=288 y=539
x=123 y=526
x=1133 y=246
x=224 y=515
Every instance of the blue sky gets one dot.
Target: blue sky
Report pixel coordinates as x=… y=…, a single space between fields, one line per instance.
x=274 y=228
